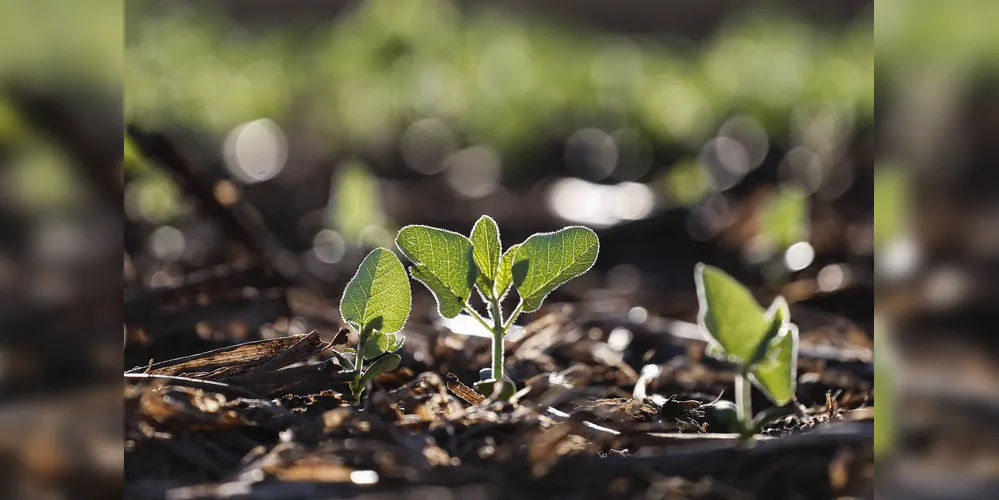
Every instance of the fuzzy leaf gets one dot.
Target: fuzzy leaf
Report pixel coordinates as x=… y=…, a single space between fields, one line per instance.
x=382 y=365
x=376 y=344
x=545 y=261
x=729 y=315
x=486 y=252
x=448 y=303
x=504 y=275
x=776 y=374
x=444 y=261
x=378 y=296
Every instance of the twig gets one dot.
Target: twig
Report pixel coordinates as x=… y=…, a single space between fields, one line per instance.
x=197 y=384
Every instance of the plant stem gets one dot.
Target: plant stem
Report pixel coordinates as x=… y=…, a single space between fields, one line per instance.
x=743 y=399
x=362 y=338
x=498 y=330
x=359 y=358
x=471 y=312
x=513 y=315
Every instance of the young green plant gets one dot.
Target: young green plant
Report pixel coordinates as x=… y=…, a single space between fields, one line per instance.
x=376 y=303
x=451 y=265
x=762 y=345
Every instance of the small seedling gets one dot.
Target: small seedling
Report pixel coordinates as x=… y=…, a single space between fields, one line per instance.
x=452 y=265
x=376 y=303
x=762 y=345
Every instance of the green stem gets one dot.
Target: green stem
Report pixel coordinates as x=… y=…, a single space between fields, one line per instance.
x=471 y=312
x=359 y=363
x=498 y=330
x=513 y=315
x=743 y=399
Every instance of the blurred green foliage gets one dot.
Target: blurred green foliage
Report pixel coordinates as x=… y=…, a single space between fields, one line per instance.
x=786 y=217
x=355 y=205
x=957 y=35
x=687 y=182
x=884 y=375
x=493 y=77
x=49 y=42
x=890 y=204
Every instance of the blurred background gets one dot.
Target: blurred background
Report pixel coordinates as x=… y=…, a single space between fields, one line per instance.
x=681 y=132
x=269 y=145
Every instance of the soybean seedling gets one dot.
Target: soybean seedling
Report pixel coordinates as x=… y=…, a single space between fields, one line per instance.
x=376 y=303
x=761 y=345
x=451 y=265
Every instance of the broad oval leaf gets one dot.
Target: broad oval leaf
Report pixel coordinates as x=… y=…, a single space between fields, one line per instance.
x=504 y=275
x=776 y=374
x=445 y=255
x=382 y=365
x=486 y=247
x=378 y=296
x=448 y=303
x=729 y=315
x=545 y=261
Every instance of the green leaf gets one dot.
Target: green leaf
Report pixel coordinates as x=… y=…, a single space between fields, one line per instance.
x=486 y=252
x=776 y=374
x=547 y=260
x=504 y=275
x=448 y=303
x=382 y=365
x=729 y=315
x=396 y=342
x=342 y=360
x=376 y=344
x=444 y=260
x=714 y=350
x=778 y=316
x=378 y=296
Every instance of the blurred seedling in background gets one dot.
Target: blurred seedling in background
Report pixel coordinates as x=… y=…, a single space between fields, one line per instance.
x=781 y=245
x=761 y=345
x=452 y=265
x=885 y=368
x=376 y=303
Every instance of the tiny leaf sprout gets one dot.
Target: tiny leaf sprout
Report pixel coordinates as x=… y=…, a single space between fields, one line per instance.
x=376 y=303
x=762 y=345
x=451 y=265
